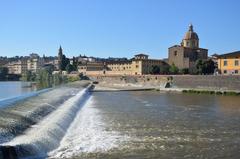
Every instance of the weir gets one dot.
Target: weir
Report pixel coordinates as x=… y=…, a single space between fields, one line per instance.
x=47 y=134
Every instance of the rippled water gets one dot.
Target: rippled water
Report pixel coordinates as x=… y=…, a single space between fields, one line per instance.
x=155 y=125
x=13 y=89
x=131 y=125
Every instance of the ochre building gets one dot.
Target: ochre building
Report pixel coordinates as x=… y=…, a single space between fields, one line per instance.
x=139 y=65
x=229 y=63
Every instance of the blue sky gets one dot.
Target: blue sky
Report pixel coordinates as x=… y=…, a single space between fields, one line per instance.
x=116 y=28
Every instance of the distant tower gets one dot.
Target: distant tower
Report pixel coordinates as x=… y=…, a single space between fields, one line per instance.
x=191 y=39
x=60 y=57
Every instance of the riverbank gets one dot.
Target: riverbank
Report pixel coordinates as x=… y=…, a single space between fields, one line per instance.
x=220 y=85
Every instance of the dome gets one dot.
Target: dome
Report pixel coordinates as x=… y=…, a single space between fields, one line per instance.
x=191 y=35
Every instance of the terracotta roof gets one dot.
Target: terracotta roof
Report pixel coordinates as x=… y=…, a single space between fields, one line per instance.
x=141 y=55
x=119 y=62
x=231 y=54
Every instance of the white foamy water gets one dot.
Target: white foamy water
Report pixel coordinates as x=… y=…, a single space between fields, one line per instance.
x=87 y=134
x=46 y=135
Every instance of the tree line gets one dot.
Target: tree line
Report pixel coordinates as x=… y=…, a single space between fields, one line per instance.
x=44 y=78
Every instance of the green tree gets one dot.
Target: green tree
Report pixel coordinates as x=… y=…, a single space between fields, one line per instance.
x=49 y=68
x=59 y=79
x=164 y=69
x=209 y=67
x=75 y=64
x=44 y=79
x=205 y=67
x=69 y=68
x=65 y=61
x=155 y=70
x=184 y=71
x=173 y=69
x=29 y=76
x=200 y=66
x=3 y=73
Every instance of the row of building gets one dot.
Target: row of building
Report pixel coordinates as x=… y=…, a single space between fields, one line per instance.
x=138 y=65
x=183 y=56
x=32 y=63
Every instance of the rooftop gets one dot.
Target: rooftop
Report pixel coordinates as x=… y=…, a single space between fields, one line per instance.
x=231 y=54
x=141 y=55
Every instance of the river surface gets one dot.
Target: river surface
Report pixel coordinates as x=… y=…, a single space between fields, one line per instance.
x=13 y=89
x=155 y=125
x=133 y=125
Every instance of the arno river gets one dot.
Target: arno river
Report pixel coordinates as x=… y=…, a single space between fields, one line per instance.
x=158 y=125
x=132 y=125
x=13 y=89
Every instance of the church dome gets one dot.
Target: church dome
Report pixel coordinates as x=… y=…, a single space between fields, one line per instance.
x=191 y=35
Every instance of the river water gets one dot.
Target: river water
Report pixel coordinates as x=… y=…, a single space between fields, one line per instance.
x=132 y=125
x=155 y=125
x=13 y=89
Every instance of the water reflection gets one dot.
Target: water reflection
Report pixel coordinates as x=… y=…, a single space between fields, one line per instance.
x=13 y=89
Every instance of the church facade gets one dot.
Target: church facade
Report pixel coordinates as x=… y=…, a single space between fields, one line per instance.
x=185 y=55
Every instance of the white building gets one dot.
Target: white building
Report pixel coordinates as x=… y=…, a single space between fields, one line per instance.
x=17 y=67
x=34 y=64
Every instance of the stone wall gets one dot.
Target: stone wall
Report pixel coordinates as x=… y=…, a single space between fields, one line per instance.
x=207 y=82
x=177 y=81
x=141 y=81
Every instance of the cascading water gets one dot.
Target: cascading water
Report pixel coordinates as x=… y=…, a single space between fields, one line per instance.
x=15 y=118
x=87 y=134
x=45 y=136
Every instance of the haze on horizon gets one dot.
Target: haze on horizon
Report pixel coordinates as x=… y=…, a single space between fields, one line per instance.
x=115 y=28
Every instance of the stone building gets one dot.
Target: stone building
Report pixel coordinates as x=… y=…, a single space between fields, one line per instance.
x=185 y=56
x=91 y=68
x=139 y=65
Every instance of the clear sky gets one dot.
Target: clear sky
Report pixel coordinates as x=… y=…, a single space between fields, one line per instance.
x=116 y=28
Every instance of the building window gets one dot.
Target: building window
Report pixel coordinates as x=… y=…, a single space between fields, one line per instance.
x=236 y=63
x=224 y=71
x=236 y=71
x=225 y=63
x=175 y=53
x=136 y=66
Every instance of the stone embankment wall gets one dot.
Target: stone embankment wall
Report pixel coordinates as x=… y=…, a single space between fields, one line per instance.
x=138 y=81
x=206 y=82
